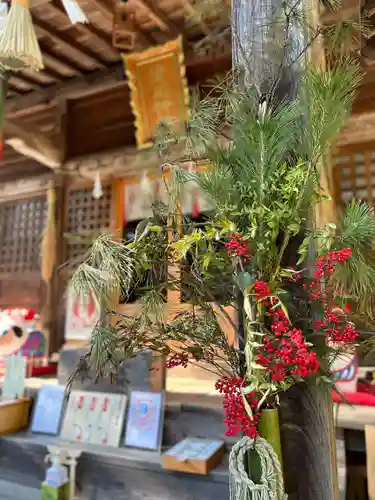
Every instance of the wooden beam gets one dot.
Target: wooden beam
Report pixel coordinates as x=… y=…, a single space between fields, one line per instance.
x=161 y=17
x=60 y=37
x=103 y=8
x=34 y=84
x=93 y=82
x=23 y=84
x=106 y=79
x=49 y=58
x=91 y=29
x=29 y=143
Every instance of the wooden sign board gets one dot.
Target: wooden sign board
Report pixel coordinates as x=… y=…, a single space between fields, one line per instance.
x=48 y=410
x=15 y=373
x=94 y=417
x=145 y=420
x=193 y=455
x=158 y=87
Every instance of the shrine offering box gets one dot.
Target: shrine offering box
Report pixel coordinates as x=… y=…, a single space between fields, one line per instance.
x=194 y=456
x=14 y=415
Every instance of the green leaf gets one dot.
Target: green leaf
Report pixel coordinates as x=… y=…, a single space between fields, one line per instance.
x=294 y=228
x=244 y=280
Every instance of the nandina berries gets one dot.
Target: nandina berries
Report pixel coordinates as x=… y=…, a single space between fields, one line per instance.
x=261 y=290
x=336 y=327
x=177 y=359
x=236 y=417
x=286 y=353
x=325 y=265
x=238 y=246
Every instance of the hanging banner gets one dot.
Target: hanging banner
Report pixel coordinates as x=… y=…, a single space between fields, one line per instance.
x=158 y=86
x=137 y=204
x=81 y=316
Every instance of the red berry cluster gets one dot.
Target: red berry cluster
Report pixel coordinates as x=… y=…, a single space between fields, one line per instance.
x=325 y=265
x=177 y=359
x=296 y=276
x=261 y=290
x=236 y=417
x=336 y=327
x=287 y=353
x=238 y=246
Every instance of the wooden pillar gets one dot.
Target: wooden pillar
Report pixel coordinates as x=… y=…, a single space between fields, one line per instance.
x=264 y=62
x=55 y=287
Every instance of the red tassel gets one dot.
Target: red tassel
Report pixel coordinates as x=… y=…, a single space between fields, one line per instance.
x=195 y=209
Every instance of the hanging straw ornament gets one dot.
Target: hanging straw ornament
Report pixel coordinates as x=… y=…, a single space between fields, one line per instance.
x=241 y=486
x=19 y=48
x=74 y=12
x=48 y=246
x=97 y=192
x=146 y=186
x=3 y=15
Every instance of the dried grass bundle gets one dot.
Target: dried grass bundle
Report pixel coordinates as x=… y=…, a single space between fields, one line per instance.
x=19 y=46
x=48 y=246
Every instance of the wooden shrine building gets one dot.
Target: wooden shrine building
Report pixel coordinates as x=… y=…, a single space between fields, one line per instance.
x=79 y=117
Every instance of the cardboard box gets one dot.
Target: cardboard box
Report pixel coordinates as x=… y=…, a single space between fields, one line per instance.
x=194 y=456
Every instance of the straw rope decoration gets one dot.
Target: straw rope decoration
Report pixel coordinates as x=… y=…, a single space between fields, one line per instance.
x=19 y=48
x=271 y=485
x=48 y=245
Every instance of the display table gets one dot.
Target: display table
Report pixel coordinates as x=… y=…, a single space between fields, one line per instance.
x=109 y=473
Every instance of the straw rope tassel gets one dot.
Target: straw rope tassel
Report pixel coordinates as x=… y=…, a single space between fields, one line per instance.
x=48 y=246
x=271 y=485
x=19 y=48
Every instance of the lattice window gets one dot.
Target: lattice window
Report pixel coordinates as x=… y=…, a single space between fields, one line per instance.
x=87 y=218
x=21 y=228
x=355 y=177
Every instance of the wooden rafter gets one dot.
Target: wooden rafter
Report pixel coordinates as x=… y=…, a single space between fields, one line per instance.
x=61 y=38
x=52 y=61
x=76 y=87
x=103 y=8
x=39 y=78
x=13 y=88
x=50 y=72
x=151 y=13
x=161 y=17
x=105 y=39
x=23 y=81
x=32 y=144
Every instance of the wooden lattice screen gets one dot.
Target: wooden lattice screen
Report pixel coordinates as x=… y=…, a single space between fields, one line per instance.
x=21 y=227
x=86 y=216
x=354 y=177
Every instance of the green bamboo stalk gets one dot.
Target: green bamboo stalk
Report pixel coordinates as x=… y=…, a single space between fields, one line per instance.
x=269 y=429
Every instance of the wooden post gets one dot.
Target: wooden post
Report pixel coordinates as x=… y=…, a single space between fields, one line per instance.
x=307 y=424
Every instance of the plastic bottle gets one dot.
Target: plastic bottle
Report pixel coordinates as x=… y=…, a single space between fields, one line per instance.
x=57 y=474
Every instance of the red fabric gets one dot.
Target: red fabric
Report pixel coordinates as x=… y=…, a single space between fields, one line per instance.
x=44 y=370
x=354 y=398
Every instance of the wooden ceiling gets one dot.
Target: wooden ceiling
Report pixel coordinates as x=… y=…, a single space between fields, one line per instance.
x=79 y=103
x=75 y=50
